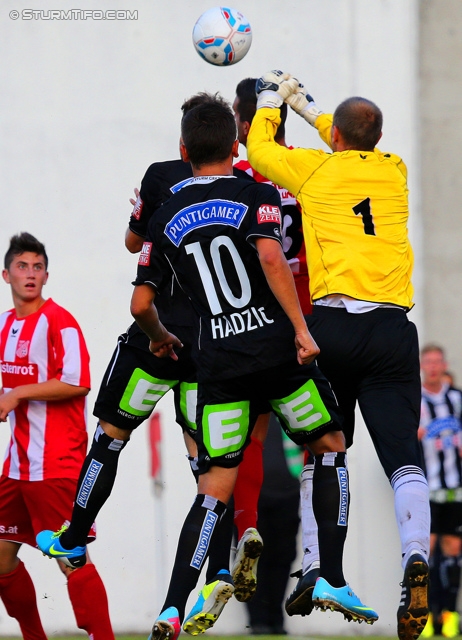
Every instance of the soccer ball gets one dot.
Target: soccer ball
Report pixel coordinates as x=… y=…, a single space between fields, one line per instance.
x=222 y=36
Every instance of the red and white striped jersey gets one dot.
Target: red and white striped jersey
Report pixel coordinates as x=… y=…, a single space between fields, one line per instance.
x=292 y=235
x=48 y=439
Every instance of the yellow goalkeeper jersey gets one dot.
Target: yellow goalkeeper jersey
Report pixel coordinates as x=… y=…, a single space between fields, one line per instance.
x=355 y=212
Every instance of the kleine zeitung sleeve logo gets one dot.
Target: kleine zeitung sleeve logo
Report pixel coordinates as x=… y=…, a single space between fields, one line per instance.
x=145 y=255
x=138 y=208
x=268 y=213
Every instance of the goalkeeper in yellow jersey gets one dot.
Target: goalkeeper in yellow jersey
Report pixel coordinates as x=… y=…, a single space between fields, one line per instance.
x=355 y=212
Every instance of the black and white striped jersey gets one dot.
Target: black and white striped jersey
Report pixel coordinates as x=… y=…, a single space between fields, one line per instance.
x=442 y=438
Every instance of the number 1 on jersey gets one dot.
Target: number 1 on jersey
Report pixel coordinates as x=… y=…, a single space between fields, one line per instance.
x=364 y=210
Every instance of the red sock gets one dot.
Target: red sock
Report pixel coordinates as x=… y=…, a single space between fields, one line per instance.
x=18 y=594
x=89 y=601
x=247 y=488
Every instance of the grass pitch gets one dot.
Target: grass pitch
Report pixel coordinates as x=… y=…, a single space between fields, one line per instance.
x=222 y=637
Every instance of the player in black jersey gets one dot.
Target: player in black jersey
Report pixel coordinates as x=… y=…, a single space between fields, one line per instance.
x=221 y=238
x=135 y=381
x=244 y=107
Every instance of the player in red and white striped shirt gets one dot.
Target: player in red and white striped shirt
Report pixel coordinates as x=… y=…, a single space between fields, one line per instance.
x=45 y=371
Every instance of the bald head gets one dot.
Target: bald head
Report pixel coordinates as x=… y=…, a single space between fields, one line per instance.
x=359 y=122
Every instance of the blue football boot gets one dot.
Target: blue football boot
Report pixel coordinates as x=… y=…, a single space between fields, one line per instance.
x=49 y=544
x=210 y=603
x=167 y=626
x=342 y=599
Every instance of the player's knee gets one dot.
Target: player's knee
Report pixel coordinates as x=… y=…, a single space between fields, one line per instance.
x=333 y=441
x=114 y=432
x=8 y=556
x=260 y=430
x=102 y=441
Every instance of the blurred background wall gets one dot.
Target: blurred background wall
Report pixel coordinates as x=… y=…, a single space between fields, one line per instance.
x=87 y=104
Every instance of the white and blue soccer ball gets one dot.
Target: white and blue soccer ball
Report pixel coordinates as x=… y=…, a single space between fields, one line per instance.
x=222 y=36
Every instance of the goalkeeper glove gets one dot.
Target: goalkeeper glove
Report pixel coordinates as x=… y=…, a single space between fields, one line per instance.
x=273 y=88
x=303 y=104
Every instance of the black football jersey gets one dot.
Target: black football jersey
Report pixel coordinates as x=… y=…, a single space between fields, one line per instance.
x=160 y=182
x=205 y=234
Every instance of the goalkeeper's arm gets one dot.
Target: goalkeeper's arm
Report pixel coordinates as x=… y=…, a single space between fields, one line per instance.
x=324 y=126
x=303 y=104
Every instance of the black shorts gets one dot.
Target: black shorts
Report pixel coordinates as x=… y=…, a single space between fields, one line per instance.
x=299 y=395
x=446 y=518
x=135 y=380
x=373 y=358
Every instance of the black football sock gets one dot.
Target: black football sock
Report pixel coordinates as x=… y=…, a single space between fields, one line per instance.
x=436 y=588
x=330 y=506
x=192 y=550
x=95 y=484
x=194 y=469
x=450 y=580
x=220 y=545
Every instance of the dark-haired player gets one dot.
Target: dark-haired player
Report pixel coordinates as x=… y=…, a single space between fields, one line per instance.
x=45 y=377
x=134 y=382
x=221 y=238
x=249 y=480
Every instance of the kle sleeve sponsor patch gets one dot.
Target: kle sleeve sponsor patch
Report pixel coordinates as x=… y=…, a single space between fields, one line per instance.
x=138 y=208
x=145 y=255
x=268 y=213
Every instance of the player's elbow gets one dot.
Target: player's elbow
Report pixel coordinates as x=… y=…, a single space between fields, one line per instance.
x=252 y=154
x=257 y=149
x=266 y=258
x=74 y=391
x=140 y=305
x=131 y=248
x=133 y=242
x=136 y=309
x=269 y=253
x=134 y=245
